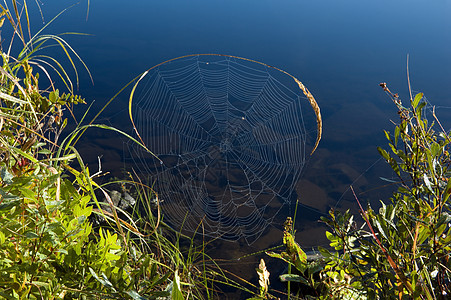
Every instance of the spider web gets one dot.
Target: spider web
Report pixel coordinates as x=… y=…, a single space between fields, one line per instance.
x=231 y=142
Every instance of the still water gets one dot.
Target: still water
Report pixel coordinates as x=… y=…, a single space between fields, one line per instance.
x=341 y=50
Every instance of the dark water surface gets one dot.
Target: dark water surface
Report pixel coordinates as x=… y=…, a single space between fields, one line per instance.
x=341 y=50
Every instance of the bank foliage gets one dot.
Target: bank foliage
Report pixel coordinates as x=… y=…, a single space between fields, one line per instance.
x=61 y=234
x=402 y=250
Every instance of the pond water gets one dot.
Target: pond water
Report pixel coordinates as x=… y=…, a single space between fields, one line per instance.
x=341 y=50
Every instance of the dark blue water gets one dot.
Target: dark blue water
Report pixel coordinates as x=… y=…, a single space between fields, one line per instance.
x=341 y=50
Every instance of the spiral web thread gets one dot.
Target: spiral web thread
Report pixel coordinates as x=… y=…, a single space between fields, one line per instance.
x=231 y=143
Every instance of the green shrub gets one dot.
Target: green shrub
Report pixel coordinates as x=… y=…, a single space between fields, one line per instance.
x=403 y=250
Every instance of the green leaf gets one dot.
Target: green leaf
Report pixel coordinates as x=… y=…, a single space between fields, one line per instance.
x=135 y=295
x=392 y=162
x=330 y=236
x=387 y=135
x=293 y=277
x=2 y=238
x=428 y=184
x=54 y=203
x=441 y=229
x=384 y=154
x=388 y=180
x=324 y=252
x=8 y=196
x=28 y=193
x=314 y=267
x=393 y=148
x=443 y=219
x=38 y=145
x=81 y=219
x=104 y=280
x=417 y=99
x=44 y=151
x=7 y=205
x=423 y=234
x=157 y=281
x=176 y=293
x=397 y=131
x=435 y=149
x=41 y=284
x=24 y=154
x=107 y=282
x=31 y=235
x=12 y=99
x=53 y=96
x=294 y=248
x=281 y=256
x=111 y=256
x=162 y=294
x=8 y=297
x=379 y=222
x=418 y=111
x=64 y=251
x=6 y=176
x=447 y=191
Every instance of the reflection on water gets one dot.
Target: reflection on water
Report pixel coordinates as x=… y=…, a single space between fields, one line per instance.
x=340 y=50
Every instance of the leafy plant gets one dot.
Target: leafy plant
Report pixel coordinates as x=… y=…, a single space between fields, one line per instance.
x=263 y=281
x=48 y=246
x=293 y=255
x=402 y=251
x=307 y=270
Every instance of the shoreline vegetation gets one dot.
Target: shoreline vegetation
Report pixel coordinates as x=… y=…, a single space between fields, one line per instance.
x=64 y=236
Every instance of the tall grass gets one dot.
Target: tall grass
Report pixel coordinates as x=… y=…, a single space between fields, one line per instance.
x=83 y=243
x=49 y=246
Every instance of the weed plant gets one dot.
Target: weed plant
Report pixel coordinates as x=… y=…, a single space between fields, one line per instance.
x=403 y=250
x=49 y=248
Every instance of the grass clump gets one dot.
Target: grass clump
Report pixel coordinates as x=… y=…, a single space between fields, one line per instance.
x=49 y=248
